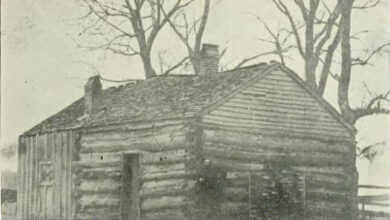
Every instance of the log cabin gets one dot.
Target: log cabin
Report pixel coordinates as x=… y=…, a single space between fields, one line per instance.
x=249 y=143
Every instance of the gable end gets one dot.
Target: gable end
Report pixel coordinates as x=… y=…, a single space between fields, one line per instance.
x=278 y=101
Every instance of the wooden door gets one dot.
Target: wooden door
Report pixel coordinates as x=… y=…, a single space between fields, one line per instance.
x=130 y=209
x=45 y=177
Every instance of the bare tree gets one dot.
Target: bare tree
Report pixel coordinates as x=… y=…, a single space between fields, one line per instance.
x=185 y=30
x=325 y=28
x=279 y=40
x=130 y=27
x=373 y=106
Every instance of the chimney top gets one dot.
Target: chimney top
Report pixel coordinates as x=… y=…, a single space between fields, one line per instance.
x=92 y=90
x=210 y=50
x=209 y=60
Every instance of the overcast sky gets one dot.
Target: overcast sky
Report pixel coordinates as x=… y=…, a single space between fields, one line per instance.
x=42 y=70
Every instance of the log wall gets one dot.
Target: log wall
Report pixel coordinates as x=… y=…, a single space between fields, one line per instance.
x=44 y=174
x=328 y=168
x=275 y=122
x=162 y=150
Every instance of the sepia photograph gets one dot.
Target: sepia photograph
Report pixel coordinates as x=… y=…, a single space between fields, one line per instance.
x=195 y=110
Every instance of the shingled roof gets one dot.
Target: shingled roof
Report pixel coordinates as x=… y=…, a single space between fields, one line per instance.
x=165 y=97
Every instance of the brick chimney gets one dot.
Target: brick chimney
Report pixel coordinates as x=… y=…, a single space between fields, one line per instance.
x=92 y=89
x=209 y=59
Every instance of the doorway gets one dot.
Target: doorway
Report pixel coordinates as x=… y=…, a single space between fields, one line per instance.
x=130 y=202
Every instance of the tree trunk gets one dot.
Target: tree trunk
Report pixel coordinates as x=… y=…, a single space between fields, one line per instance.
x=309 y=45
x=149 y=70
x=196 y=62
x=346 y=62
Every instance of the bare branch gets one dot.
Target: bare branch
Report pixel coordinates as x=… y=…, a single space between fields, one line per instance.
x=328 y=63
x=283 y=8
x=105 y=20
x=302 y=7
x=368 y=4
x=175 y=66
x=335 y=76
x=330 y=23
x=246 y=60
x=373 y=106
x=97 y=72
x=364 y=61
x=223 y=52
x=202 y=26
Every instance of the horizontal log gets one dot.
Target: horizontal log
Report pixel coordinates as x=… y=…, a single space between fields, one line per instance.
x=134 y=126
x=261 y=128
x=234 y=208
x=102 y=173
x=282 y=97
x=278 y=100
x=164 y=157
x=285 y=91
x=125 y=135
x=322 y=170
x=285 y=87
x=163 y=191
x=104 y=185
x=280 y=77
x=162 y=203
x=100 y=157
x=272 y=87
x=85 y=164
x=269 y=118
x=236 y=194
x=264 y=126
x=162 y=139
x=261 y=152
x=167 y=214
x=99 y=200
x=327 y=179
x=149 y=186
x=166 y=175
x=150 y=168
x=320 y=214
x=235 y=175
x=178 y=143
x=326 y=187
x=274 y=132
x=275 y=108
x=238 y=182
x=296 y=158
x=325 y=206
x=114 y=216
x=166 y=188
x=101 y=211
x=229 y=165
x=329 y=196
x=275 y=84
x=114 y=169
x=286 y=144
